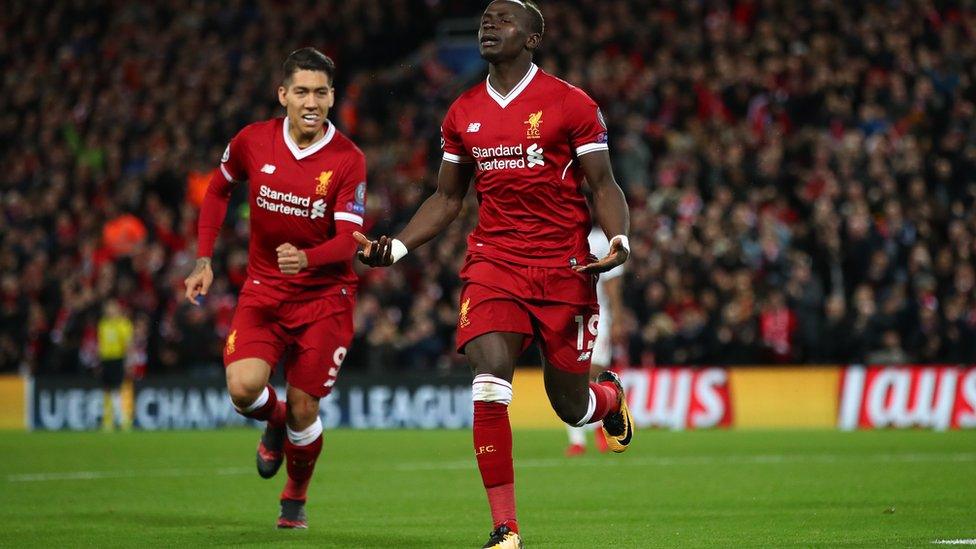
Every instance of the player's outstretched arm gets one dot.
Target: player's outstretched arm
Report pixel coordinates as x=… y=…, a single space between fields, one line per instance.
x=199 y=281
x=433 y=216
x=610 y=208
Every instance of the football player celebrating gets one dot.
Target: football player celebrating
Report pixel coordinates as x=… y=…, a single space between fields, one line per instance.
x=529 y=140
x=307 y=193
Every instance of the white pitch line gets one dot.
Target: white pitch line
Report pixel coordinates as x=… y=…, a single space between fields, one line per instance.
x=760 y=459
x=698 y=460
x=954 y=542
x=126 y=473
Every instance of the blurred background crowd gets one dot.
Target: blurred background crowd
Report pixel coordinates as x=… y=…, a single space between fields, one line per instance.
x=801 y=175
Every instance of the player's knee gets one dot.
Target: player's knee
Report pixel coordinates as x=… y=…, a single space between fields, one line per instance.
x=302 y=412
x=244 y=390
x=495 y=366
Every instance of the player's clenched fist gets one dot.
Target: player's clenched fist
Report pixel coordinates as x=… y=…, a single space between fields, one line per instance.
x=199 y=281
x=291 y=260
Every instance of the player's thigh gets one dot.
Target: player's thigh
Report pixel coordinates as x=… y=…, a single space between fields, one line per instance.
x=493 y=329
x=255 y=343
x=321 y=345
x=495 y=353
x=256 y=334
x=247 y=377
x=567 y=335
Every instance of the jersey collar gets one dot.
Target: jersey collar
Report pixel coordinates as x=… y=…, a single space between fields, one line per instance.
x=300 y=153
x=504 y=100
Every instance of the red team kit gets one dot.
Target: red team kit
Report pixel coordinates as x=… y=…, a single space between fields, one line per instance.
x=532 y=227
x=303 y=197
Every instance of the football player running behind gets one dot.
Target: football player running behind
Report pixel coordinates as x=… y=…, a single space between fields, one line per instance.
x=307 y=192
x=609 y=297
x=528 y=139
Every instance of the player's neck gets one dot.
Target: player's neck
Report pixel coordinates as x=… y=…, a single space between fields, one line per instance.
x=303 y=140
x=505 y=75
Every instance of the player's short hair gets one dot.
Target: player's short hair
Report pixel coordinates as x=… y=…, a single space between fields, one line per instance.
x=309 y=59
x=538 y=22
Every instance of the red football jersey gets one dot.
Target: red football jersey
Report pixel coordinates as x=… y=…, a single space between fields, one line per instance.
x=298 y=196
x=526 y=147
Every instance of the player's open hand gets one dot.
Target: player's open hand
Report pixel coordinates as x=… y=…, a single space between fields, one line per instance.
x=617 y=256
x=375 y=253
x=199 y=281
x=291 y=260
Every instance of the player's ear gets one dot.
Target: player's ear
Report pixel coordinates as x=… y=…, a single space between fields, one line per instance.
x=281 y=96
x=331 y=96
x=533 y=41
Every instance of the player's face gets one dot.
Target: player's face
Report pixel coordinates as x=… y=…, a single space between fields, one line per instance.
x=307 y=98
x=503 y=34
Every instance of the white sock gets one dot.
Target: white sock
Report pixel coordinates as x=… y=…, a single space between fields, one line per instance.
x=307 y=435
x=590 y=408
x=577 y=435
x=488 y=388
x=259 y=402
x=117 y=406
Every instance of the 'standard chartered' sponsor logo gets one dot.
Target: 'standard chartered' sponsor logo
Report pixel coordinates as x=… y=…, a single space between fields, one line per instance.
x=506 y=157
x=290 y=203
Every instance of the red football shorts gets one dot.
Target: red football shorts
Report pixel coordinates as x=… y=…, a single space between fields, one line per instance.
x=312 y=336
x=554 y=305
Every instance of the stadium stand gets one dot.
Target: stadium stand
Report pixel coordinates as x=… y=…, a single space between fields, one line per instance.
x=801 y=176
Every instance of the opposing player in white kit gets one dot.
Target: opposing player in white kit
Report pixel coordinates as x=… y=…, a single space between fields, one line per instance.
x=609 y=297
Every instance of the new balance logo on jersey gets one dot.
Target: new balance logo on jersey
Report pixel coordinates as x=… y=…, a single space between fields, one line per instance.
x=268 y=169
x=534 y=158
x=474 y=127
x=584 y=356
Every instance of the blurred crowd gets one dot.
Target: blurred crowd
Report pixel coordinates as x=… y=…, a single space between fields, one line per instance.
x=801 y=175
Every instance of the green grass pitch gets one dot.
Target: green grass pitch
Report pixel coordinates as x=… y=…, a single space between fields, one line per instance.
x=421 y=489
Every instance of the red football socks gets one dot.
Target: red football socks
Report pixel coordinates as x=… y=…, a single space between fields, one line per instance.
x=272 y=411
x=300 y=463
x=606 y=400
x=493 y=450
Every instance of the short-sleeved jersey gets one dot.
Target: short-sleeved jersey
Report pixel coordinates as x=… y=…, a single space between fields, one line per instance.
x=526 y=147
x=296 y=196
